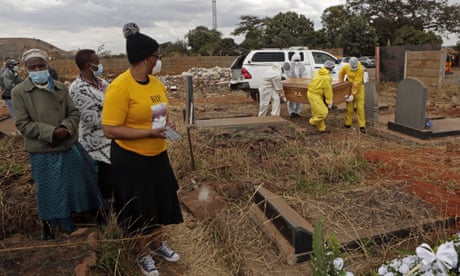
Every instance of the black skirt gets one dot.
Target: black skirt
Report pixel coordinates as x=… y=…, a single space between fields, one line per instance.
x=145 y=189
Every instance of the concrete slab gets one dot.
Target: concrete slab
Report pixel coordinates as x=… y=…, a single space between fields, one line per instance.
x=242 y=122
x=446 y=125
x=203 y=203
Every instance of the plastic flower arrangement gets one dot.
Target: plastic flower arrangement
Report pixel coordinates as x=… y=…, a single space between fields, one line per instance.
x=326 y=258
x=427 y=262
x=443 y=261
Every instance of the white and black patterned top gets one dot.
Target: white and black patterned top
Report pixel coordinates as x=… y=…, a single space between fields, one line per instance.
x=89 y=99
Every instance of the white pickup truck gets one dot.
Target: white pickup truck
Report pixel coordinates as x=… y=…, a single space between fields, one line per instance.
x=247 y=70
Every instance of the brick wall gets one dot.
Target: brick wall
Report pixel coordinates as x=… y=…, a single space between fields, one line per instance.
x=68 y=70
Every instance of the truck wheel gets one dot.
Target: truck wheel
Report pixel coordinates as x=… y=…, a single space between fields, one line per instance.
x=255 y=95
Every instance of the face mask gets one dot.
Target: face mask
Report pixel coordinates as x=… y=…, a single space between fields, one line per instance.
x=39 y=76
x=15 y=68
x=99 y=71
x=157 y=68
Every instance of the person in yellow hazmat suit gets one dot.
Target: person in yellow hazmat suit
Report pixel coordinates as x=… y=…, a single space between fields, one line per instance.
x=320 y=96
x=354 y=73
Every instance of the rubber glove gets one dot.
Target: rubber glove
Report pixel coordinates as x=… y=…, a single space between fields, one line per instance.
x=349 y=98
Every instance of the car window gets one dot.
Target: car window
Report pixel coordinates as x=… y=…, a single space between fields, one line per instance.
x=268 y=57
x=321 y=58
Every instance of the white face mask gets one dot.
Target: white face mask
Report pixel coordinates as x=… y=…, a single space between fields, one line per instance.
x=157 y=68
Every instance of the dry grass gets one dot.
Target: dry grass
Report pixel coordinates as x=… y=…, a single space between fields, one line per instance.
x=320 y=176
x=329 y=174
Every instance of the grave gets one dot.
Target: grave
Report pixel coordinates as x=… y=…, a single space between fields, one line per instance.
x=371 y=104
x=343 y=217
x=411 y=117
x=234 y=122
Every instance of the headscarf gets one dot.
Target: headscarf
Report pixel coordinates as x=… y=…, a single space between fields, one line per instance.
x=34 y=53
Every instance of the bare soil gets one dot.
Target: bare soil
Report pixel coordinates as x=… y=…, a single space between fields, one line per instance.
x=426 y=172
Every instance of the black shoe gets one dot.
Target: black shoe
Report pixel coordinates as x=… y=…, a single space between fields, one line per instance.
x=292 y=115
x=296 y=115
x=362 y=129
x=47 y=231
x=346 y=126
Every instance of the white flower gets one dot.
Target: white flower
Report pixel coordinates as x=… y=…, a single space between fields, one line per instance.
x=445 y=257
x=404 y=268
x=382 y=270
x=396 y=263
x=338 y=264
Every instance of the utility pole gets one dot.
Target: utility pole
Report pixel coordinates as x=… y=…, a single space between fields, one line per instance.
x=214 y=15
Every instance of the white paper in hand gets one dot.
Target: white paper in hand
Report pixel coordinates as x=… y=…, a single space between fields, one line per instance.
x=171 y=134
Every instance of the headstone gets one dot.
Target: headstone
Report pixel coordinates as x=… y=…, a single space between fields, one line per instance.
x=411 y=99
x=371 y=103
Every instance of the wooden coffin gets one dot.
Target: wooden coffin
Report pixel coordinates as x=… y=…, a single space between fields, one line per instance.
x=296 y=90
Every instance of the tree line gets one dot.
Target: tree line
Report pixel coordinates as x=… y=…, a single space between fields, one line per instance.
x=357 y=27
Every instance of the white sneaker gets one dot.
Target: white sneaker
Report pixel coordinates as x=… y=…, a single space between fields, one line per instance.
x=166 y=252
x=147 y=266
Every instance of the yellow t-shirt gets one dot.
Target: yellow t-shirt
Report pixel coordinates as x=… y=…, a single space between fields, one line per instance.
x=130 y=103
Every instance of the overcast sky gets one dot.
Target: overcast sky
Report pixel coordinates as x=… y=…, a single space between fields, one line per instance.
x=76 y=24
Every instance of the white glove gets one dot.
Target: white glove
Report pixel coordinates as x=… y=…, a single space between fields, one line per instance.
x=329 y=106
x=349 y=98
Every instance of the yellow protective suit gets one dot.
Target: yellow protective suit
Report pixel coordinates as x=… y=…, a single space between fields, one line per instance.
x=320 y=95
x=357 y=90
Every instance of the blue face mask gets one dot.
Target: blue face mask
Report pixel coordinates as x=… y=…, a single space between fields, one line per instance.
x=39 y=77
x=100 y=70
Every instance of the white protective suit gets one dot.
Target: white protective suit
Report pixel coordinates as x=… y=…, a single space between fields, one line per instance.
x=270 y=90
x=297 y=71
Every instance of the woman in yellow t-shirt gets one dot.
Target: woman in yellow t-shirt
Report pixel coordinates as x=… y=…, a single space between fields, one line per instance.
x=135 y=116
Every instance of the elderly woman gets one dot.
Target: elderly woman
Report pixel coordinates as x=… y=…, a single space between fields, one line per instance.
x=144 y=182
x=48 y=120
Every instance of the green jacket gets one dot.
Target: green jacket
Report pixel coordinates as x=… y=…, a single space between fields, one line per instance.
x=39 y=111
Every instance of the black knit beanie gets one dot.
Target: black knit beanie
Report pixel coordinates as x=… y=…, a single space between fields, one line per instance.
x=138 y=45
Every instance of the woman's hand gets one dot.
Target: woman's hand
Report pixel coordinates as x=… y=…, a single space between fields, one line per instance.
x=60 y=133
x=158 y=133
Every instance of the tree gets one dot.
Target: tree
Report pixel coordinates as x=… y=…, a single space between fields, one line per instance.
x=203 y=41
x=359 y=38
x=253 y=29
x=227 y=46
x=178 y=48
x=408 y=35
x=333 y=19
x=423 y=15
x=288 y=29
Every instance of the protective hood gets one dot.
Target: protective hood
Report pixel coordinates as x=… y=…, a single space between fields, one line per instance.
x=323 y=71
x=295 y=56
